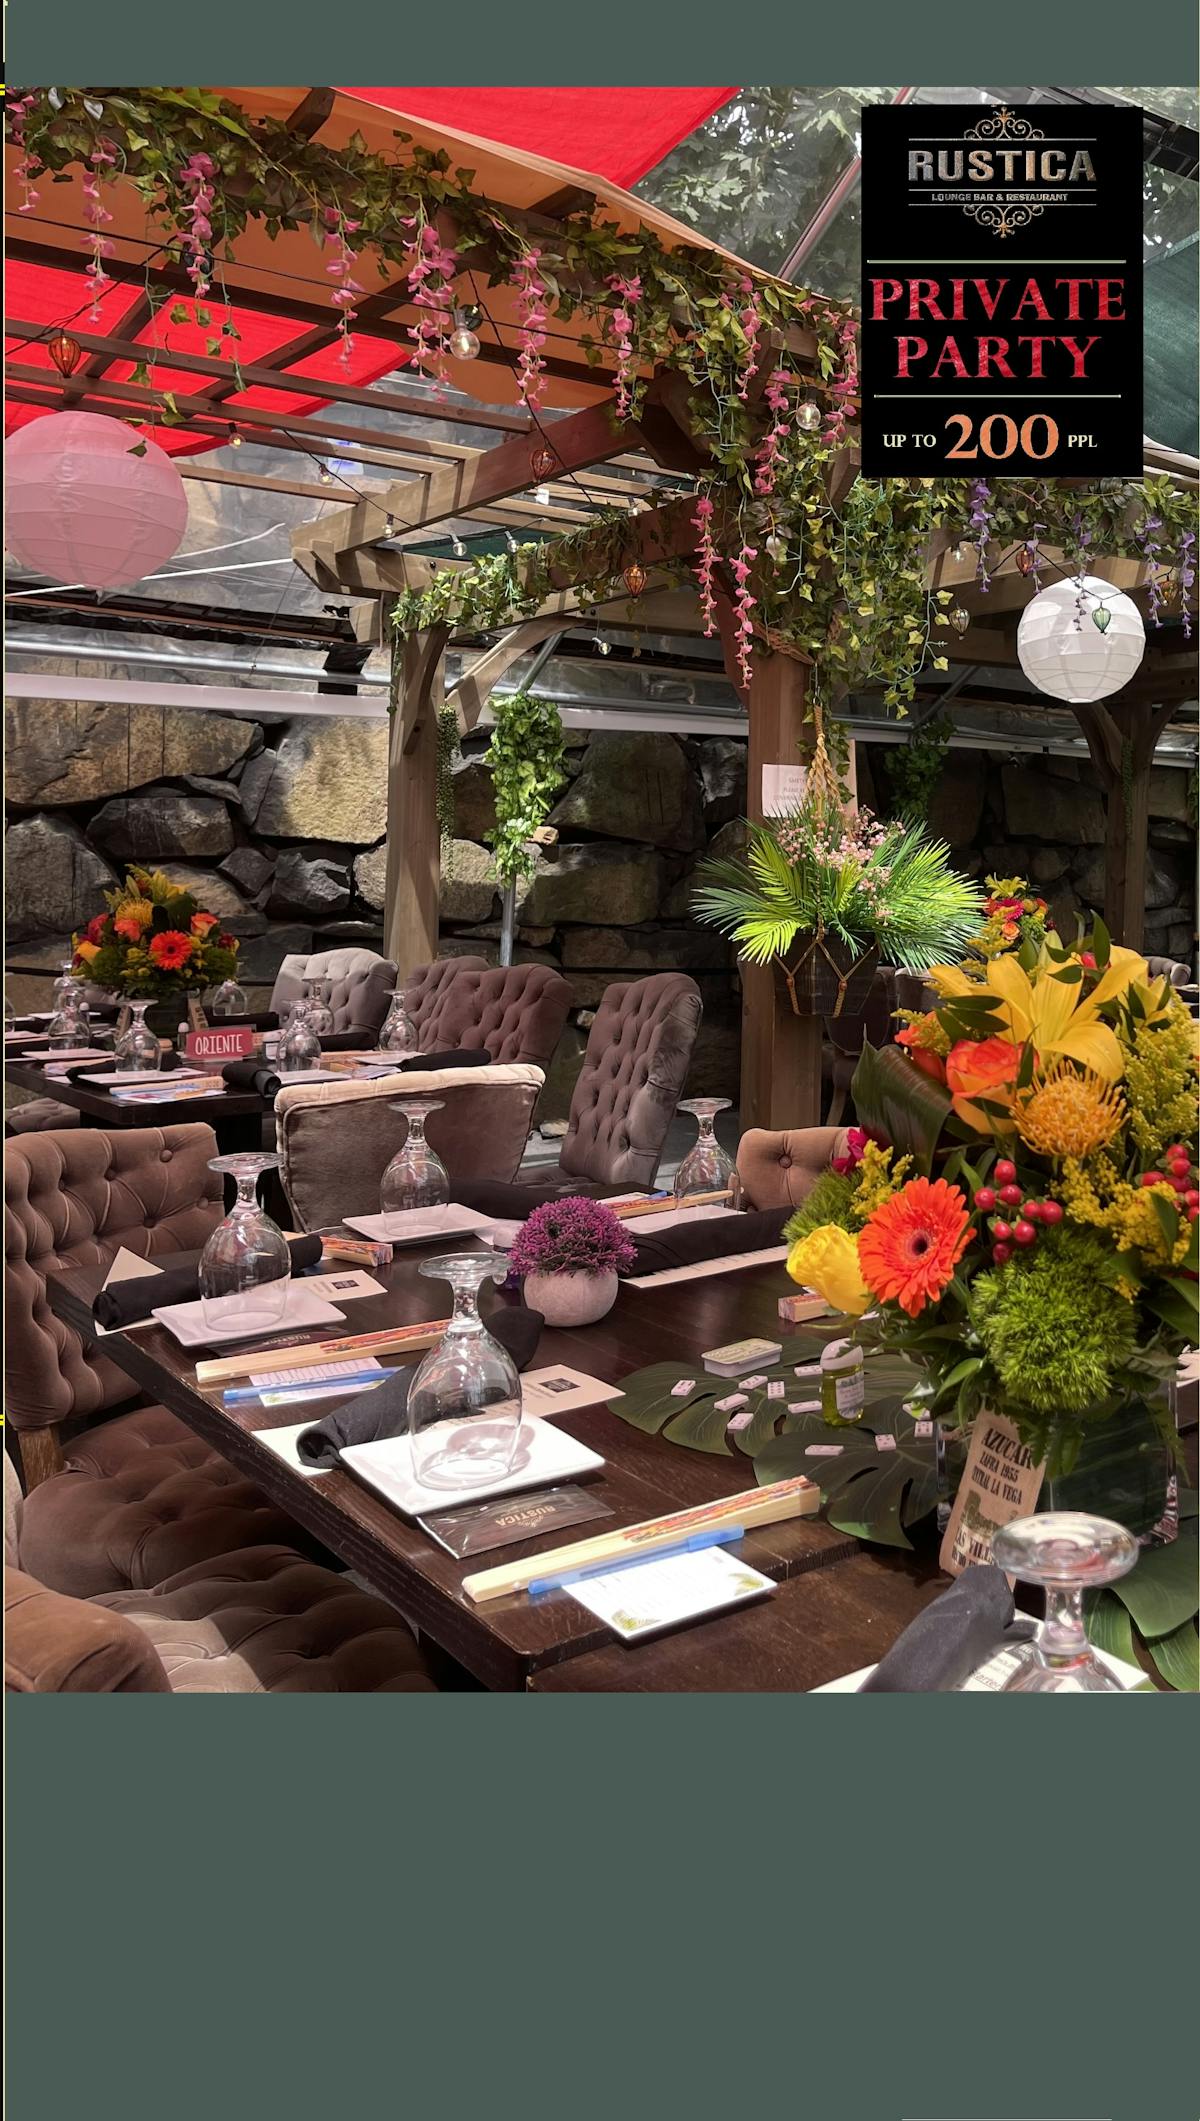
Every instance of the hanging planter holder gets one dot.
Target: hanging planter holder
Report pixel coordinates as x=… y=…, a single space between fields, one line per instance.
x=827 y=979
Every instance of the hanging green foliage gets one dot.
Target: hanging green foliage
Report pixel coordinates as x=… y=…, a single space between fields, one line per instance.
x=526 y=760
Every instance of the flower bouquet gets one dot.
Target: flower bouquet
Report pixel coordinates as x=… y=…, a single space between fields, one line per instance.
x=1020 y=1215
x=570 y=1253
x=826 y=892
x=154 y=942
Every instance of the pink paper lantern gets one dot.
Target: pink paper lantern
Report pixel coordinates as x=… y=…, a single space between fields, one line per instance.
x=82 y=507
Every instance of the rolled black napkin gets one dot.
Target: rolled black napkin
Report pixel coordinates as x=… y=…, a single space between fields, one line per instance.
x=709 y=1237
x=514 y=1203
x=251 y=1075
x=457 y=1057
x=135 y=1299
x=381 y=1411
x=969 y=1623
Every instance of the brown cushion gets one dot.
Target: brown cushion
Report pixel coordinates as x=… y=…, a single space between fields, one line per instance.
x=70 y=1200
x=141 y=1499
x=265 y=1621
x=424 y=984
x=515 y=1012
x=638 y=1054
x=38 y=1113
x=57 y=1645
x=778 y=1168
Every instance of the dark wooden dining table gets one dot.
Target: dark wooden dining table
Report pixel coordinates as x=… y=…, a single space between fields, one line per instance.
x=235 y=1116
x=516 y=1642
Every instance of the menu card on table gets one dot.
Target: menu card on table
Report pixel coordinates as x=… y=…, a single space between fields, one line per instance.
x=648 y=1596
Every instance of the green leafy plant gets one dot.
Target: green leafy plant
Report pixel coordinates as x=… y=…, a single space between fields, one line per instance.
x=1156 y=1605
x=914 y=769
x=526 y=760
x=823 y=871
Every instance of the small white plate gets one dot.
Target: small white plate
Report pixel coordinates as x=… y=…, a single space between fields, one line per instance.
x=544 y=1454
x=186 y=1321
x=421 y=1226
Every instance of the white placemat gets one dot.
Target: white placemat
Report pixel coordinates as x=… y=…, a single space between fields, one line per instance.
x=701 y=1267
x=147 y=1078
x=420 y=1226
x=186 y=1321
x=544 y=1454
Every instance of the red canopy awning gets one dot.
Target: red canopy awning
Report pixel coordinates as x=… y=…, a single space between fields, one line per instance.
x=618 y=133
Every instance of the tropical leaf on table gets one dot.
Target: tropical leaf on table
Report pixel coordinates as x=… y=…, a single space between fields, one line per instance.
x=870 y=1494
x=1161 y=1591
x=894 y=1099
x=647 y=1401
x=1177 y=1657
x=1110 y=1628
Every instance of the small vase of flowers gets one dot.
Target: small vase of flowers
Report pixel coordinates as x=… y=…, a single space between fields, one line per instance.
x=154 y=943
x=570 y=1253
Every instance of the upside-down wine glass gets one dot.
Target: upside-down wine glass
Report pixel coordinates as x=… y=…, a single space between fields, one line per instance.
x=464 y=1404
x=69 y=1026
x=319 y=1013
x=706 y=1168
x=399 y=1033
x=229 y=999
x=1069 y=1553
x=416 y=1176
x=299 y=1048
x=138 y=1046
x=245 y=1268
x=65 y=984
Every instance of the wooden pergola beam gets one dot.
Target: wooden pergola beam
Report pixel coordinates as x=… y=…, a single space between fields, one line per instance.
x=1122 y=735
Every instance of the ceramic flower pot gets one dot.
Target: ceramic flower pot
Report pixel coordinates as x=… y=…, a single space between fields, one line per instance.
x=571 y=1299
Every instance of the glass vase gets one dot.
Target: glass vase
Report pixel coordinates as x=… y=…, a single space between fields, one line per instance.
x=245 y=1268
x=1122 y=1472
x=464 y=1405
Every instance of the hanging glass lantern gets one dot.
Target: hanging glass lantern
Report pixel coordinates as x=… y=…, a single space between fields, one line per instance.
x=960 y=619
x=543 y=463
x=634 y=578
x=1026 y=559
x=65 y=352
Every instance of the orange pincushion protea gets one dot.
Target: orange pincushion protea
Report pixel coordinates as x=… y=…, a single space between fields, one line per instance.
x=908 y=1249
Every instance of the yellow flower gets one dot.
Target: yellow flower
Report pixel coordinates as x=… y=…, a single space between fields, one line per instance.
x=1097 y=1194
x=134 y=909
x=827 y=1261
x=87 y=951
x=878 y=1178
x=1056 y=1014
x=1068 y=1114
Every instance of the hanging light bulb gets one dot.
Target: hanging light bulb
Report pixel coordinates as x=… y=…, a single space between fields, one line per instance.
x=605 y=647
x=389 y=526
x=808 y=416
x=235 y=439
x=510 y=541
x=65 y=352
x=457 y=547
x=960 y=619
x=464 y=339
x=543 y=462
x=325 y=475
x=634 y=578
x=776 y=549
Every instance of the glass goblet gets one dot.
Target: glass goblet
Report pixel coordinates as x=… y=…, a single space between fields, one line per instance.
x=69 y=1026
x=65 y=984
x=1069 y=1553
x=464 y=1404
x=399 y=1033
x=229 y=999
x=299 y=1048
x=706 y=1168
x=416 y=1176
x=319 y=1013
x=137 y=1046
x=245 y=1268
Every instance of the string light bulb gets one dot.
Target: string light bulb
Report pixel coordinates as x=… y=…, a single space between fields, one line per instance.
x=808 y=416
x=389 y=526
x=510 y=541
x=325 y=475
x=457 y=547
x=235 y=438
x=464 y=339
x=605 y=647
x=958 y=554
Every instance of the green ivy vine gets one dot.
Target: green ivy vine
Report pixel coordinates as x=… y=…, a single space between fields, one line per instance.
x=525 y=756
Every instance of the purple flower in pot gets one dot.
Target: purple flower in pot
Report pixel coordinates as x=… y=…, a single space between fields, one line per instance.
x=570 y=1253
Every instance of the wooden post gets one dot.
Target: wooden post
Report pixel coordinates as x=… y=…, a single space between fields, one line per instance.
x=1122 y=734
x=781 y=1052
x=413 y=844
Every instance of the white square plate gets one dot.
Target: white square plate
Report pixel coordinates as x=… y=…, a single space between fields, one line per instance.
x=420 y=1226
x=544 y=1454
x=186 y=1321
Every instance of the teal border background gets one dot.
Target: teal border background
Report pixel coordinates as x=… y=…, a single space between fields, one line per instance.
x=897 y=1910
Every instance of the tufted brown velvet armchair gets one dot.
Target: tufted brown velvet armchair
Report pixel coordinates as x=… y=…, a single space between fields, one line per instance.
x=638 y=1054
x=512 y=1012
x=361 y=985
x=778 y=1167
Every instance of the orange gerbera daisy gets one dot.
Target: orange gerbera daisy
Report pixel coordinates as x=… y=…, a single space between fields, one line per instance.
x=171 y=950
x=908 y=1249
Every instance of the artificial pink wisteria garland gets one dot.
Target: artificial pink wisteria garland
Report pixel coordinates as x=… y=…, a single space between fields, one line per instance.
x=341 y=268
x=100 y=245
x=17 y=114
x=771 y=448
x=624 y=324
x=431 y=287
x=743 y=606
x=844 y=389
x=532 y=294
x=750 y=319
x=706 y=562
x=196 y=179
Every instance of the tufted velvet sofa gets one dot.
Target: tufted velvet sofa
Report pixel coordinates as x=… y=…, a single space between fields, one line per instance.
x=638 y=1053
x=778 y=1168
x=361 y=987
x=262 y=1620
x=136 y=1497
x=337 y=1139
x=513 y=1012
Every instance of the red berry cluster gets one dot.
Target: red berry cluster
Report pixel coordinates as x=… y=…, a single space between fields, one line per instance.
x=1179 y=1174
x=1027 y=1214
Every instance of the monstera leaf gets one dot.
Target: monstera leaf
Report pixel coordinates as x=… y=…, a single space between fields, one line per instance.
x=869 y=1493
x=1156 y=1606
x=893 y=1099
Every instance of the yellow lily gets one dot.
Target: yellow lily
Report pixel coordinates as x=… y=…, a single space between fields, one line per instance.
x=1055 y=1014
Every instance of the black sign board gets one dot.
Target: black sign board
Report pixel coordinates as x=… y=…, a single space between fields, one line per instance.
x=1002 y=291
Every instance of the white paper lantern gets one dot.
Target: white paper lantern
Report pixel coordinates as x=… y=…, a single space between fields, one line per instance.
x=82 y=507
x=1064 y=653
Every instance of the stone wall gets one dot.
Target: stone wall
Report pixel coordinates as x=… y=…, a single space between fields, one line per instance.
x=280 y=830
